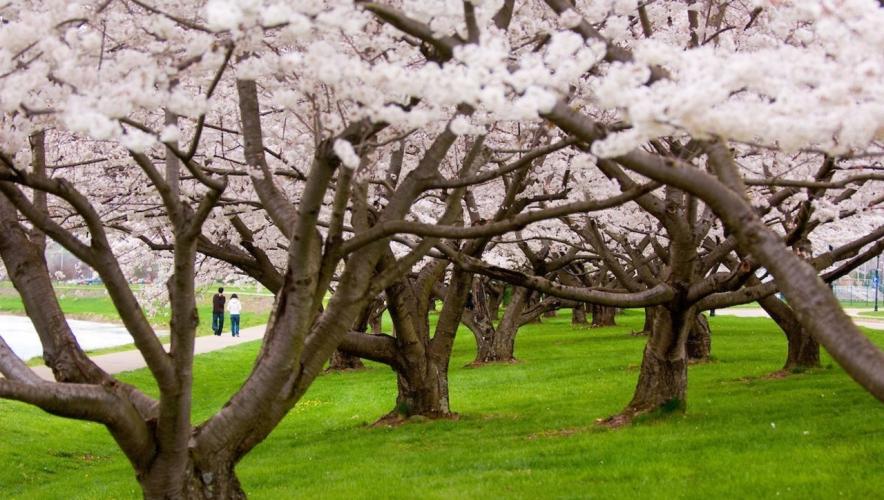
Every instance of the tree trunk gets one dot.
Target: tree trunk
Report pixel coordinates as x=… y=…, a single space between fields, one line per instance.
x=552 y=313
x=483 y=331
x=504 y=345
x=803 y=351
x=212 y=479
x=375 y=323
x=662 y=381
x=603 y=316
x=699 y=344
x=649 y=321
x=422 y=391
x=493 y=344
x=495 y=298
x=341 y=361
x=578 y=315
x=498 y=344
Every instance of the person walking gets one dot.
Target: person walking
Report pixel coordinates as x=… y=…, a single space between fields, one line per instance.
x=234 y=306
x=218 y=311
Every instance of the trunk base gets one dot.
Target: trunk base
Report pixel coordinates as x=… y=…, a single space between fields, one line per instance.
x=804 y=353
x=497 y=347
x=660 y=391
x=603 y=316
x=395 y=418
x=578 y=316
x=629 y=415
x=478 y=363
x=422 y=393
x=342 y=361
x=210 y=481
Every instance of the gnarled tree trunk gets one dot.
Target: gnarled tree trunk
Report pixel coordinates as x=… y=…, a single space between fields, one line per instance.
x=804 y=351
x=421 y=361
x=603 y=315
x=205 y=478
x=662 y=381
x=483 y=331
x=341 y=361
x=649 y=322
x=699 y=344
x=494 y=344
x=498 y=344
x=578 y=315
x=422 y=389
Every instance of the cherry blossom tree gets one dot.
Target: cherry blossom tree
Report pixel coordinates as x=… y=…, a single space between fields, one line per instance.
x=664 y=90
x=145 y=147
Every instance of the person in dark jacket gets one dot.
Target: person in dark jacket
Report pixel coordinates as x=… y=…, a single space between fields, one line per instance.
x=218 y=311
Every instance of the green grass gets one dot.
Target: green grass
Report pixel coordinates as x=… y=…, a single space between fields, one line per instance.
x=526 y=430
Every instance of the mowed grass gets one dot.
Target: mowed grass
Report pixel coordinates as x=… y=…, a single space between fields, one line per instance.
x=526 y=430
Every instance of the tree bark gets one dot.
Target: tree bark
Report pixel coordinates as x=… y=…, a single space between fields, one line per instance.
x=342 y=361
x=804 y=351
x=483 y=331
x=649 y=320
x=578 y=315
x=648 y=324
x=422 y=390
x=662 y=381
x=493 y=345
x=498 y=344
x=699 y=344
x=212 y=478
x=504 y=345
x=603 y=315
x=495 y=299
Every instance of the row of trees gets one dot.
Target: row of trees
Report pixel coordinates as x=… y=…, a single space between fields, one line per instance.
x=677 y=156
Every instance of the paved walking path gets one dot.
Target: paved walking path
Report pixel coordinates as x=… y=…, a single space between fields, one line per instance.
x=125 y=361
x=753 y=312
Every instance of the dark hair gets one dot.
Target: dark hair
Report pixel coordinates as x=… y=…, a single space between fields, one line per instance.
x=233 y=296
x=221 y=290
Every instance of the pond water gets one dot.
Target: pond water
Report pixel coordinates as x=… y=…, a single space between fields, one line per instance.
x=19 y=333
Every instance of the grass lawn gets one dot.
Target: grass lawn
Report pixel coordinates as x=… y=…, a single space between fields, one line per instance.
x=525 y=430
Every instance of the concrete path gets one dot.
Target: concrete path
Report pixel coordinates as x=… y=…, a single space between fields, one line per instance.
x=124 y=361
x=753 y=312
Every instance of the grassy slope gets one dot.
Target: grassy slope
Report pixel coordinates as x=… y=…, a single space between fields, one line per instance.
x=526 y=430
